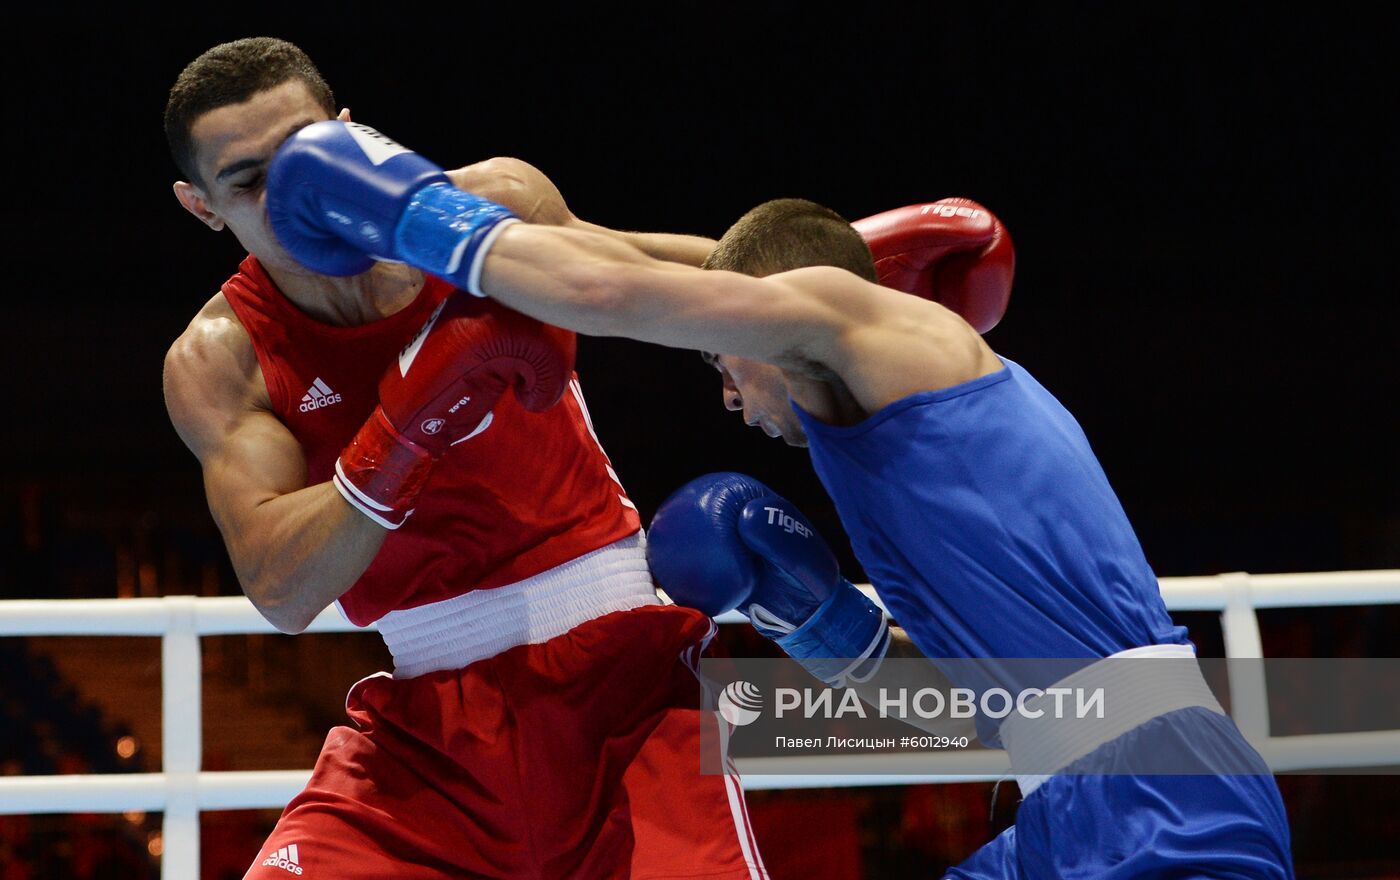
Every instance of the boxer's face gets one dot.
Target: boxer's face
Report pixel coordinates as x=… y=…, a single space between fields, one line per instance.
x=233 y=146
x=760 y=392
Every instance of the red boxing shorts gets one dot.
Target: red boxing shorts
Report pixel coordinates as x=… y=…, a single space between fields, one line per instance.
x=574 y=757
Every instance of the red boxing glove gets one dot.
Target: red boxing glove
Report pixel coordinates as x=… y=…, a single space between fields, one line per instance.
x=441 y=392
x=954 y=252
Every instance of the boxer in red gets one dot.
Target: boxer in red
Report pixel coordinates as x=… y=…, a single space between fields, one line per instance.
x=374 y=438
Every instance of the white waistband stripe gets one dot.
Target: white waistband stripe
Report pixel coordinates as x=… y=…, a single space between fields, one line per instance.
x=1141 y=692
x=459 y=631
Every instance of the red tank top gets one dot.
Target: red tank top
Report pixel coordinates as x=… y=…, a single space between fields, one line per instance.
x=532 y=491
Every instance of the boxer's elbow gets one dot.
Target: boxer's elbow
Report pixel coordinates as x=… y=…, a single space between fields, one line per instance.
x=279 y=598
x=285 y=616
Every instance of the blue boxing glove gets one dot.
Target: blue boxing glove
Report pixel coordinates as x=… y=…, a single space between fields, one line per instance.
x=341 y=195
x=726 y=541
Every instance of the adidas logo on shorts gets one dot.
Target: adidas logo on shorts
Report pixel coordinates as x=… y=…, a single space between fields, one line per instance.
x=286 y=859
x=317 y=396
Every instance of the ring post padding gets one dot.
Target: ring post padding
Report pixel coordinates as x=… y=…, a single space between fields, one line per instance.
x=1239 y=624
x=181 y=734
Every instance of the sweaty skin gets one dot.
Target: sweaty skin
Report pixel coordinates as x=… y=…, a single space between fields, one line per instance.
x=297 y=548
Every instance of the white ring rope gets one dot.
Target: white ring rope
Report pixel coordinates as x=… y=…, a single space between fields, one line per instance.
x=182 y=790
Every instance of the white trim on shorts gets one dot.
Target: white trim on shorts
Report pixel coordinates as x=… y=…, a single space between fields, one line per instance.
x=739 y=807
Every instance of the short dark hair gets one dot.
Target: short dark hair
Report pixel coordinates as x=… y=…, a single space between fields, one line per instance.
x=788 y=234
x=231 y=73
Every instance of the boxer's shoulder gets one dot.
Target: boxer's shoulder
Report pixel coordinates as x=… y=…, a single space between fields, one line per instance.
x=212 y=374
x=517 y=185
x=850 y=304
x=883 y=344
x=217 y=343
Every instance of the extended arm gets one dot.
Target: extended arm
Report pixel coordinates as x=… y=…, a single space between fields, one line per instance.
x=534 y=198
x=336 y=207
x=601 y=286
x=325 y=190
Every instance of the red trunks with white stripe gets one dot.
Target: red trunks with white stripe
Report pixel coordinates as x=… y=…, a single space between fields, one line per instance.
x=573 y=758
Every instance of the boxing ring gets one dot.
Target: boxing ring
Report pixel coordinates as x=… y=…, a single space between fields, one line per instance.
x=182 y=790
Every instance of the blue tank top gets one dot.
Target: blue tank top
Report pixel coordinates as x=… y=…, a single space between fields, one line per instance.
x=987 y=525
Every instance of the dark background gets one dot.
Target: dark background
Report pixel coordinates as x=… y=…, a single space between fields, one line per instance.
x=1203 y=204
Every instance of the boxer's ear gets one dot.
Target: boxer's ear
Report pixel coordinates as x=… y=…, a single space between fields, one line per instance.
x=192 y=200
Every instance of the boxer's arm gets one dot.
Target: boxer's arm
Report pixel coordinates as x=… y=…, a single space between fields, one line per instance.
x=295 y=548
x=534 y=198
x=689 y=250
x=911 y=677
x=815 y=321
x=603 y=286
x=881 y=343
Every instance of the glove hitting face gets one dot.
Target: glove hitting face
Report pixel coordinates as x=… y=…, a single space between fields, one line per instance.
x=340 y=195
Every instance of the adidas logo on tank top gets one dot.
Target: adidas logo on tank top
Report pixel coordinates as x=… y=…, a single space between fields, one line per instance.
x=317 y=396
x=285 y=858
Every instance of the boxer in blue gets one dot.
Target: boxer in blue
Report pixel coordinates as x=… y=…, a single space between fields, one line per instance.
x=971 y=495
